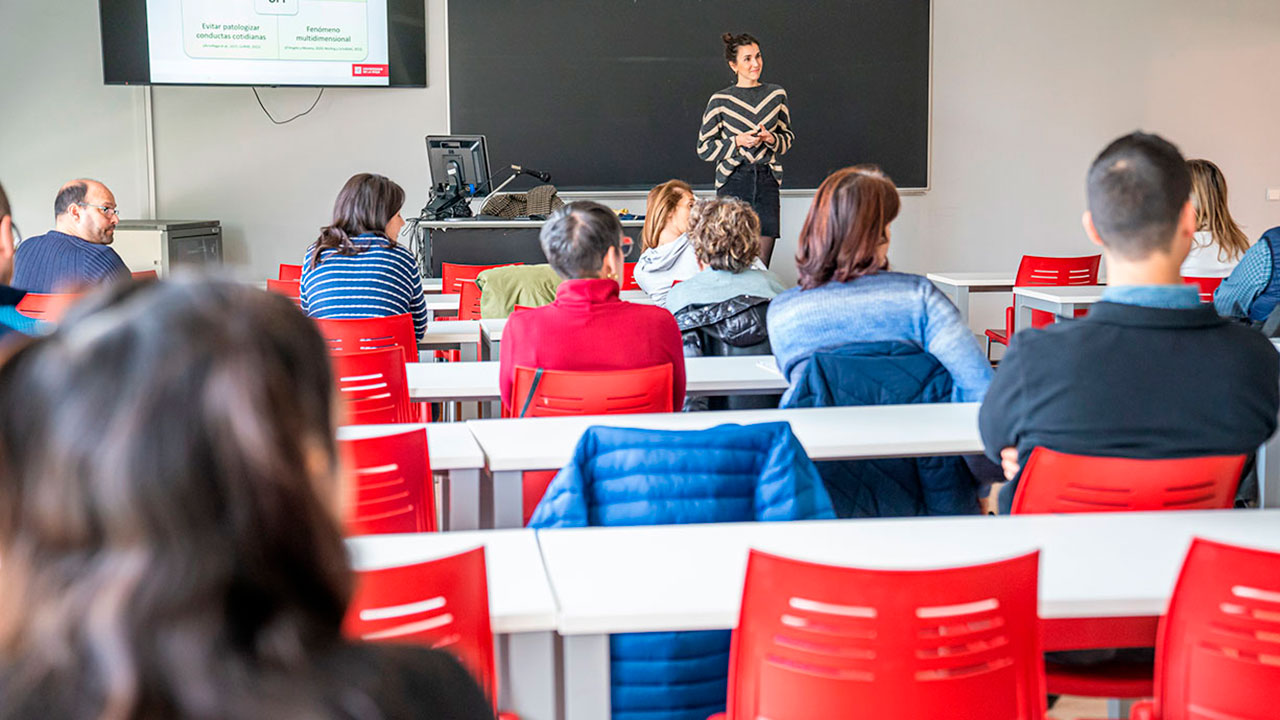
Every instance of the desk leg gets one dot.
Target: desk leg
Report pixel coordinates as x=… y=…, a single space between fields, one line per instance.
x=1269 y=473
x=962 y=303
x=489 y=347
x=1119 y=708
x=529 y=675
x=462 y=498
x=468 y=351
x=508 y=499
x=1021 y=314
x=1066 y=311
x=586 y=677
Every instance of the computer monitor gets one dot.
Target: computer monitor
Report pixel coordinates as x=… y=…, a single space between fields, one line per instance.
x=460 y=160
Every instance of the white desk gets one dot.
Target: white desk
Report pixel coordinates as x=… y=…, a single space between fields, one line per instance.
x=1061 y=301
x=689 y=577
x=512 y=446
x=522 y=608
x=431 y=286
x=461 y=335
x=478 y=381
x=448 y=304
x=454 y=455
x=960 y=284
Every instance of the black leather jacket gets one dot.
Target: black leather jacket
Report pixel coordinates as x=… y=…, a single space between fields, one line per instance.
x=736 y=326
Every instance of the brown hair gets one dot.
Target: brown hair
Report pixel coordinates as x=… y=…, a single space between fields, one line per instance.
x=168 y=536
x=4 y=203
x=1209 y=193
x=663 y=200
x=726 y=233
x=365 y=204
x=845 y=226
x=733 y=42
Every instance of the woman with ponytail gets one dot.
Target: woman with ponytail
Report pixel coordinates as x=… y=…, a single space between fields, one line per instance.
x=745 y=130
x=356 y=269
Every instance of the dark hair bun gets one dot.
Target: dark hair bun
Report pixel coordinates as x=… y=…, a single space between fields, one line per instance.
x=727 y=38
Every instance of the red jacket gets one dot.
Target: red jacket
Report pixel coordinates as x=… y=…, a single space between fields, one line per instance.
x=589 y=328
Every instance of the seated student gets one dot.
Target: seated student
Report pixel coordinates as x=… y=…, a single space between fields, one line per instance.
x=1129 y=379
x=1252 y=290
x=1219 y=242
x=356 y=269
x=722 y=309
x=188 y=563
x=77 y=252
x=588 y=327
x=854 y=333
x=10 y=319
x=847 y=293
x=666 y=257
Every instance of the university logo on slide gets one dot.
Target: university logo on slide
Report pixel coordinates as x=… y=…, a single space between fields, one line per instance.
x=358 y=70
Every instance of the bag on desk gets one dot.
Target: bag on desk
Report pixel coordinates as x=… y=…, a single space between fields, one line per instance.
x=541 y=200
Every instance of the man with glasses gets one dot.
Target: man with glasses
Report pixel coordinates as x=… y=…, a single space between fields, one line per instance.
x=77 y=252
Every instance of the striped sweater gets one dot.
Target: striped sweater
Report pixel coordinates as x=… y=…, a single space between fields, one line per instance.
x=735 y=110
x=376 y=282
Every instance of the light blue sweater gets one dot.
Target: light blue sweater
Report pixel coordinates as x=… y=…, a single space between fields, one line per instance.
x=885 y=306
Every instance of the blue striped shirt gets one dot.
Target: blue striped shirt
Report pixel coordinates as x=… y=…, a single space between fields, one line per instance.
x=375 y=282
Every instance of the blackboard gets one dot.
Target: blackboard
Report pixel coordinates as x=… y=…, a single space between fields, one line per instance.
x=609 y=94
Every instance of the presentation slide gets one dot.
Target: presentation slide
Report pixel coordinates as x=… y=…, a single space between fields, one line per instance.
x=269 y=42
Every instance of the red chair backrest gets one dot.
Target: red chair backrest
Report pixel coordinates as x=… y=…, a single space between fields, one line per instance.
x=469 y=301
x=46 y=306
x=373 y=386
x=818 y=641
x=289 y=272
x=439 y=603
x=1206 y=285
x=1055 y=482
x=1052 y=271
x=629 y=277
x=610 y=392
x=453 y=275
x=371 y=334
x=392 y=484
x=291 y=289
x=145 y=275
x=1218 y=649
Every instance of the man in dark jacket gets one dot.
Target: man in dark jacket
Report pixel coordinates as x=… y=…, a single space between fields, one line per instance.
x=1150 y=372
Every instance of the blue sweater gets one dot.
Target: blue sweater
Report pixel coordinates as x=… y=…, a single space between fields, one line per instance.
x=885 y=306
x=58 y=262
x=376 y=282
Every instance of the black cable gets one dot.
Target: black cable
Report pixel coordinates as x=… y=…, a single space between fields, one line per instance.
x=295 y=117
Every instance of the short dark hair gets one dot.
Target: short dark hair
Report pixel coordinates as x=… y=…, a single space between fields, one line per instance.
x=71 y=194
x=576 y=238
x=4 y=203
x=733 y=42
x=1137 y=189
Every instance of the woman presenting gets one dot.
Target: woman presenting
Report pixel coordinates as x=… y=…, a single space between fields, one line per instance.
x=745 y=128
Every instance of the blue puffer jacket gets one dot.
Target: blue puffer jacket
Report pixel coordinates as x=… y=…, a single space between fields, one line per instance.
x=885 y=373
x=730 y=473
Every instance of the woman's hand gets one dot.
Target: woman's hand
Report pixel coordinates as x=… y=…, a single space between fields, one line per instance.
x=747 y=139
x=765 y=136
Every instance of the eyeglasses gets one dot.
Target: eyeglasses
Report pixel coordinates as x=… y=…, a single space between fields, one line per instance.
x=108 y=211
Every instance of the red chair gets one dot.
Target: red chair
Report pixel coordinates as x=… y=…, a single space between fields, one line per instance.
x=289 y=272
x=46 y=306
x=1054 y=482
x=1218 y=650
x=1207 y=286
x=629 y=277
x=562 y=392
x=393 y=487
x=439 y=603
x=145 y=275
x=452 y=275
x=291 y=289
x=1036 y=270
x=371 y=334
x=817 y=641
x=373 y=387
x=469 y=302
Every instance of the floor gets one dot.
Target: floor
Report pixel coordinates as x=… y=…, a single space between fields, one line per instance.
x=1075 y=708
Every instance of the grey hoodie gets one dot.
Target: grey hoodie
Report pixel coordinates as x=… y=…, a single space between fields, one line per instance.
x=660 y=267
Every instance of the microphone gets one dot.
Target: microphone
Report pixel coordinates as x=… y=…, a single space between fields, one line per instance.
x=543 y=176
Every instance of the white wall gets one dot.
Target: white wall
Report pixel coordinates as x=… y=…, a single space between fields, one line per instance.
x=1025 y=93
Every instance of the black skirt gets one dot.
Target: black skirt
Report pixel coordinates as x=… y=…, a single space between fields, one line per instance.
x=756 y=185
